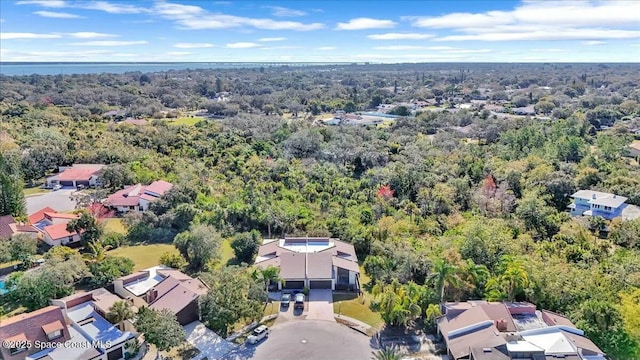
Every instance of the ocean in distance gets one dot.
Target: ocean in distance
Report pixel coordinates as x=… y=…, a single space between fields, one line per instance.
x=68 y=68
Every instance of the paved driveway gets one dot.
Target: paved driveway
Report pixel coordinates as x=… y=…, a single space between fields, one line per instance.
x=209 y=343
x=307 y=340
x=58 y=200
x=320 y=305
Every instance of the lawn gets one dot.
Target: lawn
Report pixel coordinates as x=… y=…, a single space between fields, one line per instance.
x=227 y=256
x=34 y=191
x=114 y=225
x=351 y=305
x=186 y=121
x=144 y=256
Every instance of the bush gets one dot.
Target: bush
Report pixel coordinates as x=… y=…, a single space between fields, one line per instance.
x=114 y=240
x=175 y=261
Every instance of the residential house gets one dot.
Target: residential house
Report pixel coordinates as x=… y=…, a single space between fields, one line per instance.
x=9 y=227
x=526 y=111
x=77 y=174
x=480 y=330
x=316 y=263
x=52 y=226
x=137 y=197
x=162 y=287
x=634 y=148
x=48 y=329
x=596 y=203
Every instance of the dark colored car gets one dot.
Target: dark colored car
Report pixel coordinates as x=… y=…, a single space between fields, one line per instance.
x=299 y=301
x=285 y=299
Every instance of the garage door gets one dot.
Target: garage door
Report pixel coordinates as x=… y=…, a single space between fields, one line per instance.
x=83 y=182
x=66 y=183
x=293 y=285
x=320 y=284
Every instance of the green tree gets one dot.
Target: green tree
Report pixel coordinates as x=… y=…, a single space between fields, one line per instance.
x=119 y=312
x=267 y=276
x=160 y=328
x=432 y=314
x=97 y=251
x=233 y=296
x=175 y=261
x=245 y=245
x=387 y=353
x=116 y=176
x=109 y=269
x=399 y=304
x=443 y=275
x=87 y=226
x=199 y=245
x=11 y=196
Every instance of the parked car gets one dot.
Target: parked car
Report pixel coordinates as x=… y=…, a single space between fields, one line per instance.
x=299 y=301
x=57 y=187
x=285 y=299
x=258 y=334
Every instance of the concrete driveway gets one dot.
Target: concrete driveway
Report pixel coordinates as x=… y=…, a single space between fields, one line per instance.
x=58 y=200
x=320 y=305
x=307 y=340
x=209 y=343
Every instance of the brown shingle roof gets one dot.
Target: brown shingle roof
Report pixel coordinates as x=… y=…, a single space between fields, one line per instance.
x=319 y=265
x=499 y=311
x=292 y=265
x=29 y=326
x=346 y=264
x=5 y=229
x=582 y=342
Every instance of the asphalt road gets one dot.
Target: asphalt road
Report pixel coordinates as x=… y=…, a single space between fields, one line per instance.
x=308 y=340
x=58 y=200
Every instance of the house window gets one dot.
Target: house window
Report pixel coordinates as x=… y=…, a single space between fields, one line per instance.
x=70 y=239
x=608 y=208
x=54 y=335
x=132 y=207
x=20 y=347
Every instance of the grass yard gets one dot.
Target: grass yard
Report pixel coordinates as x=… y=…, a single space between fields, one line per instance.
x=144 y=256
x=114 y=225
x=185 y=121
x=351 y=305
x=34 y=191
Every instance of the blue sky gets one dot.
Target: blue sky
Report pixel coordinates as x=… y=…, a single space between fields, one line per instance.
x=320 y=31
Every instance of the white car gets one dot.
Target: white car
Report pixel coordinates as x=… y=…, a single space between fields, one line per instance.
x=57 y=187
x=258 y=334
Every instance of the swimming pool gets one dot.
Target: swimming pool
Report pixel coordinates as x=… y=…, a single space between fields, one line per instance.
x=3 y=290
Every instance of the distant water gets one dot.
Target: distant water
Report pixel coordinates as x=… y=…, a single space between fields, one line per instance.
x=119 y=68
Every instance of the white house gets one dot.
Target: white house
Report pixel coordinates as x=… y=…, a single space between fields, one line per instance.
x=77 y=174
x=596 y=203
x=315 y=263
x=137 y=197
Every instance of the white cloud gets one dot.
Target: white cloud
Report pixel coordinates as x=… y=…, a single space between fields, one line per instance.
x=284 y=47
x=190 y=17
x=192 y=45
x=57 y=15
x=283 y=11
x=541 y=20
x=112 y=8
x=109 y=43
x=365 y=23
x=90 y=35
x=178 y=53
x=400 y=36
x=271 y=39
x=444 y=49
x=401 y=47
x=593 y=42
x=44 y=3
x=326 y=48
x=243 y=45
x=15 y=35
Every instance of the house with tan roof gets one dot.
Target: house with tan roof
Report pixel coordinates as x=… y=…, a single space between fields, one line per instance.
x=316 y=263
x=43 y=333
x=481 y=330
x=9 y=227
x=162 y=287
x=76 y=174
x=137 y=197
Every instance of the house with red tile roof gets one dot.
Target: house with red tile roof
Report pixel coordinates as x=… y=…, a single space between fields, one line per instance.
x=77 y=174
x=137 y=197
x=481 y=330
x=316 y=263
x=52 y=227
x=162 y=287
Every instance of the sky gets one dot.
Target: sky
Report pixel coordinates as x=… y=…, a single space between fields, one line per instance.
x=320 y=31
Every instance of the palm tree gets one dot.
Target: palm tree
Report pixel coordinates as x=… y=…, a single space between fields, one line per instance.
x=98 y=252
x=514 y=278
x=119 y=312
x=476 y=274
x=443 y=274
x=268 y=275
x=387 y=353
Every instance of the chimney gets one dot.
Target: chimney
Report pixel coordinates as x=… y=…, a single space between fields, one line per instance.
x=501 y=325
x=593 y=196
x=152 y=295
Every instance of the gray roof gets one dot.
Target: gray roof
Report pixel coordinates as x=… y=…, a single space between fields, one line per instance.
x=292 y=266
x=319 y=265
x=600 y=198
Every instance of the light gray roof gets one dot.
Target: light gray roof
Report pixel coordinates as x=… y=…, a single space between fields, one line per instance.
x=600 y=198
